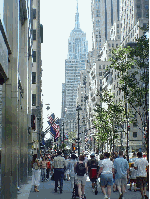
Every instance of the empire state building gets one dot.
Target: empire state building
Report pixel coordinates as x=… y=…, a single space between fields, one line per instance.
x=77 y=55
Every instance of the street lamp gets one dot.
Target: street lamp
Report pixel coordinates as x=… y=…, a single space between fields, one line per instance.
x=78 y=109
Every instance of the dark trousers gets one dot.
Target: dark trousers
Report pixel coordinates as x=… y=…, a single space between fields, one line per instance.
x=47 y=173
x=58 y=176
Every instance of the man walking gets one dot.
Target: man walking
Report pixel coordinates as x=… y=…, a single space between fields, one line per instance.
x=121 y=168
x=141 y=165
x=59 y=167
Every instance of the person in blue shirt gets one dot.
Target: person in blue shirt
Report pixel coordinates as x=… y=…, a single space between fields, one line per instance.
x=121 y=168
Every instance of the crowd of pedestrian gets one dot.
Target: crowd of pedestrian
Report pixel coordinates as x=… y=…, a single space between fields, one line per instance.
x=112 y=169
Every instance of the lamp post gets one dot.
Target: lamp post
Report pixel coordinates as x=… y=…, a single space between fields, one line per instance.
x=78 y=109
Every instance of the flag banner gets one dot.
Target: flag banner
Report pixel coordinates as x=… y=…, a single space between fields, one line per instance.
x=54 y=125
x=57 y=132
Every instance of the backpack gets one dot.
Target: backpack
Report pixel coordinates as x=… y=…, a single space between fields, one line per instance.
x=80 y=169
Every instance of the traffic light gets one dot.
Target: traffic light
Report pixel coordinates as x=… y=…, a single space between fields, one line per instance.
x=73 y=147
x=128 y=128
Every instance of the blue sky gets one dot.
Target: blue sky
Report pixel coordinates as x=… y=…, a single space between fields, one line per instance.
x=58 y=19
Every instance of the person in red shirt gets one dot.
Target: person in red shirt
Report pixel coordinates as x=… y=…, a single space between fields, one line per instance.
x=48 y=164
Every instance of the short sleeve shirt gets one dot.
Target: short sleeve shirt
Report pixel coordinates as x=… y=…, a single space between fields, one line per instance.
x=59 y=162
x=121 y=165
x=107 y=166
x=141 y=165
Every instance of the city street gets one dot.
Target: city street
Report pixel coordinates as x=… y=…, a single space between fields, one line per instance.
x=46 y=191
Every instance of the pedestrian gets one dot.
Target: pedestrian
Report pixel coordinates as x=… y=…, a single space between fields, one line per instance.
x=43 y=169
x=106 y=171
x=101 y=159
x=85 y=157
x=121 y=168
x=48 y=165
x=81 y=169
x=92 y=156
x=70 y=166
x=59 y=166
x=66 y=175
x=141 y=165
x=132 y=174
x=96 y=168
x=35 y=172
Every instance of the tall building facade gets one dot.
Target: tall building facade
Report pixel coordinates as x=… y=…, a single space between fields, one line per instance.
x=17 y=55
x=77 y=55
x=36 y=118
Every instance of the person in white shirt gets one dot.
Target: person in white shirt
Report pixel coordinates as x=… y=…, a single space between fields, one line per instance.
x=106 y=171
x=132 y=173
x=141 y=165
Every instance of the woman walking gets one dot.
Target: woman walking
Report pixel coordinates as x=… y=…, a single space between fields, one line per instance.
x=43 y=169
x=81 y=169
x=35 y=173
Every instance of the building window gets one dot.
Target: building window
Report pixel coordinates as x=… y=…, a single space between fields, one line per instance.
x=33 y=77
x=33 y=99
x=34 y=34
x=33 y=122
x=112 y=45
x=34 y=13
x=103 y=66
x=34 y=56
x=99 y=66
x=100 y=73
x=134 y=134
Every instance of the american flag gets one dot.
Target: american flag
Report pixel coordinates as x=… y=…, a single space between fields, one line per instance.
x=57 y=132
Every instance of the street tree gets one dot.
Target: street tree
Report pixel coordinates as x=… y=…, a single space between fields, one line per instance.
x=132 y=63
x=108 y=117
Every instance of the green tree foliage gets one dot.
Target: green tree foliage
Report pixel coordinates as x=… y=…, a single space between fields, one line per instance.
x=107 y=119
x=49 y=143
x=132 y=63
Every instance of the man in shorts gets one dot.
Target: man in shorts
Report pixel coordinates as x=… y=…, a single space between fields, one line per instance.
x=141 y=165
x=121 y=168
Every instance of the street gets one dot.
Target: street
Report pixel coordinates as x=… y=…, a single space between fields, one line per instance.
x=46 y=191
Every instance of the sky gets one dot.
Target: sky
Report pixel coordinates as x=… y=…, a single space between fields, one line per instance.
x=58 y=19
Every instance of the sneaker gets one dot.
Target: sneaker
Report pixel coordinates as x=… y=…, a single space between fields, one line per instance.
x=121 y=195
x=106 y=197
x=93 y=190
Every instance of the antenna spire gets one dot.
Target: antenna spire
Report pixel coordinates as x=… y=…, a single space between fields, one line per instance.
x=77 y=24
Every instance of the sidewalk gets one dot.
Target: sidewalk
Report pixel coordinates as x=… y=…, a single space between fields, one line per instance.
x=25 y=189
x=46 y=191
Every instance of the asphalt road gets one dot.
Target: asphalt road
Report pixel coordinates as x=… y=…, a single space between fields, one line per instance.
x=46 y=191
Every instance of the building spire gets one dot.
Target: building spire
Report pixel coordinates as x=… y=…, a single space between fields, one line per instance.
x=77 y=24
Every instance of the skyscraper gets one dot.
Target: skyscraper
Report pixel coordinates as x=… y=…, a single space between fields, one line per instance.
x=77 y=55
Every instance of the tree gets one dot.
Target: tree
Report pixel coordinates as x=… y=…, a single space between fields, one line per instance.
x=107 y=119
x=132 y=63
x=49 y=143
